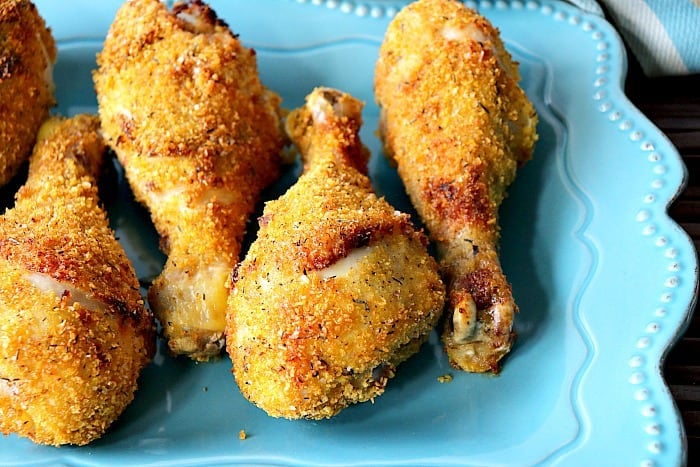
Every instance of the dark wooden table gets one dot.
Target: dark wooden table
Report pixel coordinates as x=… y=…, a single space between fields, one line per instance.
x=673 y=104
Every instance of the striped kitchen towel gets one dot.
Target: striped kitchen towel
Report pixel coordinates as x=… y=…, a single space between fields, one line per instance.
x=664 y=35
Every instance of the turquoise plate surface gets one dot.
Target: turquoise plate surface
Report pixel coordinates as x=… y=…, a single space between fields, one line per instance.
x=604 y=279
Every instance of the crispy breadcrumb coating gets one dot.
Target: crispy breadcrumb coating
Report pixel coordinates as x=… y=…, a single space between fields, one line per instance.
x=27 y=55
x=458 y=125
x=199 y=137
x=338 y=288
x=74 y=332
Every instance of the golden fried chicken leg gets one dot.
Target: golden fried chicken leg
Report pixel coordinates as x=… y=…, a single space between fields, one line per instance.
x=458 y=125
x=27 y=55
x=338 y=288
x=74 y=331
x=199 y=137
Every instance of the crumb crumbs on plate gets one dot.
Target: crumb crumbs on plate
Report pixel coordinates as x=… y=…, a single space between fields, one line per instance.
x=242 y=435
x=446 y=378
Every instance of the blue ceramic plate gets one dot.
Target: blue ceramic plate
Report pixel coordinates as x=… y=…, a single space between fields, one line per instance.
x=605 y=280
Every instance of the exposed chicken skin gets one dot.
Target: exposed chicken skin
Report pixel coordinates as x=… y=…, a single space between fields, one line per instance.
x=74 y=332
x=338 y=288
x=27 y=55
x=458 y=125
x=199 y=137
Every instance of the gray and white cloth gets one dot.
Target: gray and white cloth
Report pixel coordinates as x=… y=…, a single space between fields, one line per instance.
x=664 y=35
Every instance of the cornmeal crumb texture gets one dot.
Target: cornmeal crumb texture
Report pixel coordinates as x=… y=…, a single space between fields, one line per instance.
x=74 y=332
x=27 y=55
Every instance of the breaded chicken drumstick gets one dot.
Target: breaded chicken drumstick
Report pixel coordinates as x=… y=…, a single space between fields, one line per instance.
x=74 y=331
x=338 y=288
x=27 y=55
x=199 y=137
x=458 y=126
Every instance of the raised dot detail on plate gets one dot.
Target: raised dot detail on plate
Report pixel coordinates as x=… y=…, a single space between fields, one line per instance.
x=518 y=5
x=647 y=146
x=533 y=5
x=560 y=16
x=647 y=463
x=605 y=106
x=637 y=378
x=576 y=20
x=376 y=12
x=502 y=5
x=601 y=70
x=597 y=35
x=666 y=297
x=653 y=429
x=362 y=11
x=625 y=125
x=600 y=82
x=641 y=394
x=671 y=253
x=655 y=447
x=657 y=183
x=674 y=267
x=598 y=95
x=672 y=282
x=649 y=411
x=603 y=57
x=486 y=4
x=636 y=135
x=643 y=215
x=653 y=328
x=347 y=7
x=636 y=361
x=661 y=312
x=332 y=4
x=660 y=169
x=615 y=116
x=588 y=26
x=643 y=342
x=650 y=198
x=547 y=10
x=602 y=46
x=649 y=230
x=654 y=157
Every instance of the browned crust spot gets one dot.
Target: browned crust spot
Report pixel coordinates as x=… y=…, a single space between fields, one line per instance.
x=485 y=287
x=201 y=10
x=319 y=255
x=461 y=202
